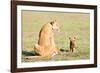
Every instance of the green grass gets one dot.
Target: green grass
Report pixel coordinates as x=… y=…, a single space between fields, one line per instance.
x=76 y=24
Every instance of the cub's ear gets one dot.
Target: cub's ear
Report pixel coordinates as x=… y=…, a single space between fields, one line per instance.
x=75 y=38
x=69 y=37
x=52 y=22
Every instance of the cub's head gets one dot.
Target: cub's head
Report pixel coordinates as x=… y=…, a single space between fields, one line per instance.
x=54 y=25
x=72 y=38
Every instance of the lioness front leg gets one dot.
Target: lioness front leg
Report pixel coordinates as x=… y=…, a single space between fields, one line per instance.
x=52 y=41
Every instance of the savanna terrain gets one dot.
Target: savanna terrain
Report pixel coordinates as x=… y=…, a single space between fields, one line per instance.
x=71 y=24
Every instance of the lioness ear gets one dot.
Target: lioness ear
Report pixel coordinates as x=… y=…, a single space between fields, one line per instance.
x=52 y=22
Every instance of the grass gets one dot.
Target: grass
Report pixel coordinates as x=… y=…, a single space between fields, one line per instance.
x=76 y=24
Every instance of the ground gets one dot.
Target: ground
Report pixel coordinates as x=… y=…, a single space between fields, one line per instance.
x=71 y=24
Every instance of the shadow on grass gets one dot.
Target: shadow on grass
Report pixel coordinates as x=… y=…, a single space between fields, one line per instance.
x=64 y=50
x=33 y=53
x=30 y=53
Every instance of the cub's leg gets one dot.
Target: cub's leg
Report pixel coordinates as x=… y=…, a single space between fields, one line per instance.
x=71 y=49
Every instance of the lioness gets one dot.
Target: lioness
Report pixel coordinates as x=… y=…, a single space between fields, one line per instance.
x=46 y=45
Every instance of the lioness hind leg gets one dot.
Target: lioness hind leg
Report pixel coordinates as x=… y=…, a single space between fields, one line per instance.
x=38 y=49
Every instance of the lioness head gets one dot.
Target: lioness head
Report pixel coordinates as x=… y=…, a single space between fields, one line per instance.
x=55 y=25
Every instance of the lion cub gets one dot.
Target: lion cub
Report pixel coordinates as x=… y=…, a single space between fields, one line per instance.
x=46 y=45
x=73 y=44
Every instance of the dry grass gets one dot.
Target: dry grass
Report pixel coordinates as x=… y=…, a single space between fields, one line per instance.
x=76 y=24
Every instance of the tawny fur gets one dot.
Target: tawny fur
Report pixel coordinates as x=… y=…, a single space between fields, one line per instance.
x=73 y=44
x=46 y=45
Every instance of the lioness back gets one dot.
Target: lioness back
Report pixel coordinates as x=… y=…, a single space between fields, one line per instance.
x=45 y=34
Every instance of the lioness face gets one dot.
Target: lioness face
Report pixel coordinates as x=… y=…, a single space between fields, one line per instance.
x=55 y=25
